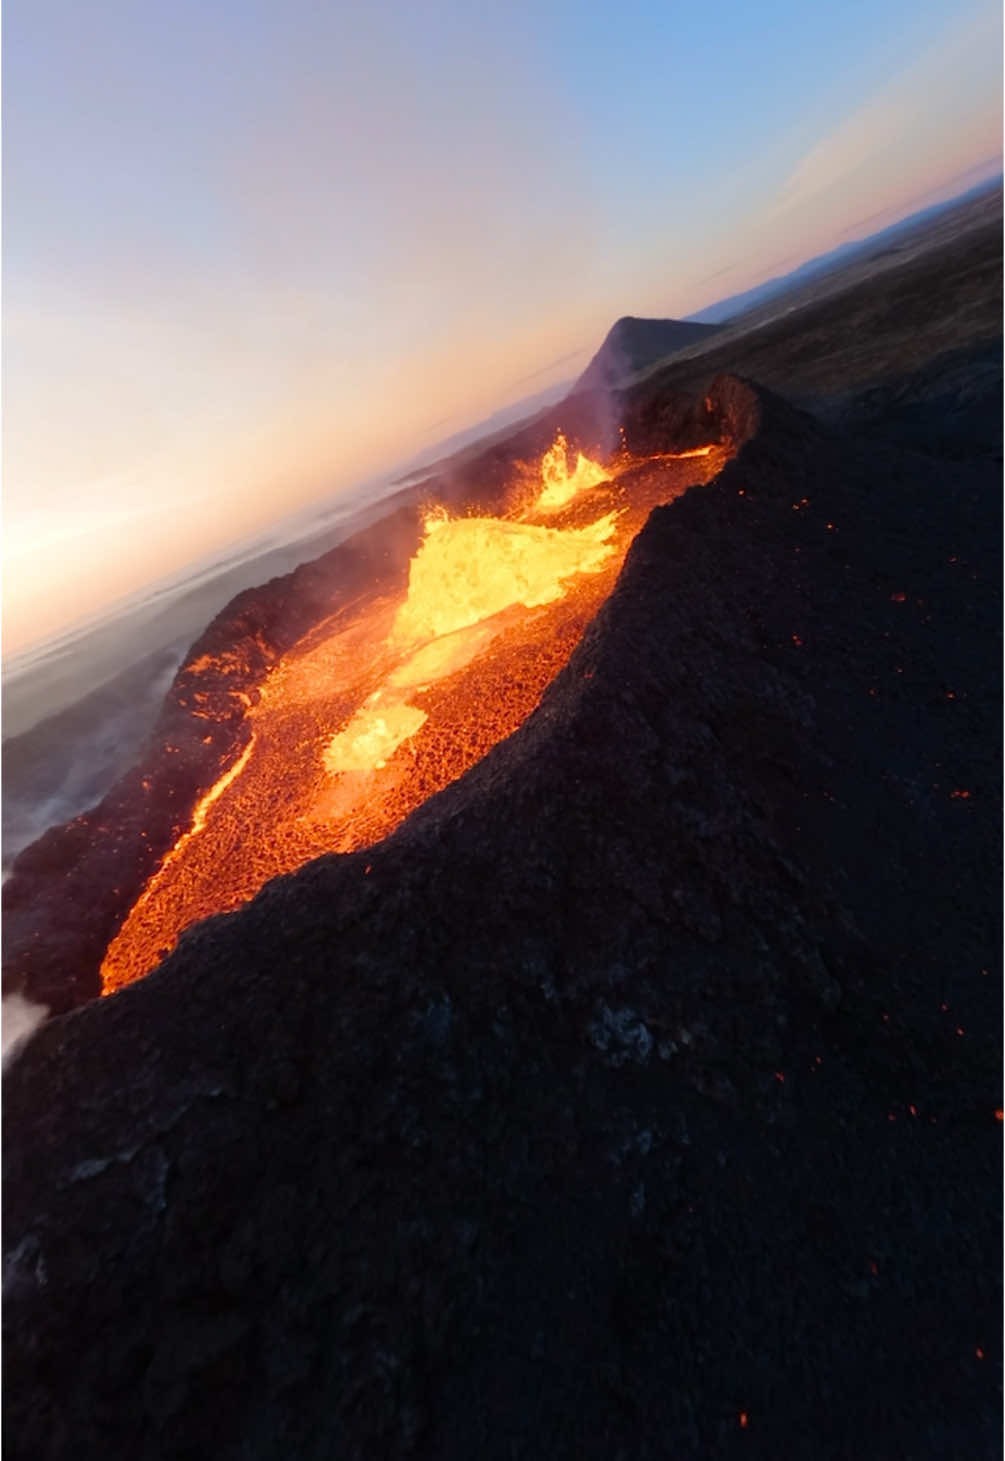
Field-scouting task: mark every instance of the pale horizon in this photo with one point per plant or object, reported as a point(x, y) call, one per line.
point(361, 235)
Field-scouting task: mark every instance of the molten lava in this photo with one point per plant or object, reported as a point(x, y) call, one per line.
point(561, 485)
point(372, 737)
point(382, 706)
point(469, 568)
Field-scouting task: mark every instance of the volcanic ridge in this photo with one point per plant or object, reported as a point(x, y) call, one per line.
point(636, 1093)
point(632, 344)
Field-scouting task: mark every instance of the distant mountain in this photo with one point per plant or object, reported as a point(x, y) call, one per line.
point(631, 344)
point(886, 239)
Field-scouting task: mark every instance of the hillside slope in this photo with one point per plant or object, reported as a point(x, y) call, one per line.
point(636, 1097)
point(632, 344)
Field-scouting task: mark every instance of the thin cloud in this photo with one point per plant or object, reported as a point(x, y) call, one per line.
point(847, 149)
point(904, 123)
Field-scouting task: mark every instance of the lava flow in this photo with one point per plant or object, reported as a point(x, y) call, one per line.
point(370, 715)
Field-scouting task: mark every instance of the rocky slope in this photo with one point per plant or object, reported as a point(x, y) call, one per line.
point(869, 329)
point(637, 1097)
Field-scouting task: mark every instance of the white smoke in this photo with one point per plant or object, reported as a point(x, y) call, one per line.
point(18, 1022)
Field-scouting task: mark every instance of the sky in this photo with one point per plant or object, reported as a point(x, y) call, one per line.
point(255, 253)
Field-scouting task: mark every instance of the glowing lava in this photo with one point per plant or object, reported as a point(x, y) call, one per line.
point(469, 568)
point(376, 711)
point(213, 795)
point(372, 737)
point(561, 485)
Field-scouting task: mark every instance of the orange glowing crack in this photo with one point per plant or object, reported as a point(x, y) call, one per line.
point(683, 456)
point(215, 793)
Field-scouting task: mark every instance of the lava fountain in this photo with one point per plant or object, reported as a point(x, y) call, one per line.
point(375, 711)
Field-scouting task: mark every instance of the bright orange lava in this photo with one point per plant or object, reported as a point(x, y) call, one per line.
point(371, 714)
point(561, 485)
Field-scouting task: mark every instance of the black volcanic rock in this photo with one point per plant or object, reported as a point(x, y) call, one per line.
point(631, 344)
point(636, 1097)
point(950, 406)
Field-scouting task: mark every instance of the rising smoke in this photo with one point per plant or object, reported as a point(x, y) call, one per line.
point(20, 1020)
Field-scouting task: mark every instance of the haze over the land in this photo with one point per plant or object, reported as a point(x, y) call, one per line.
point(255, 253)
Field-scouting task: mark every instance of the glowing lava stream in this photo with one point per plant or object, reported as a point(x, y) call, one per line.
point(359, 725)
point(199, 816)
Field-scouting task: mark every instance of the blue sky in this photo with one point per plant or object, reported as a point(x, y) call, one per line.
point(253, 253)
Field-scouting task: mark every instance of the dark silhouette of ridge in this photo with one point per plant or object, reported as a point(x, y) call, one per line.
point(632, 344)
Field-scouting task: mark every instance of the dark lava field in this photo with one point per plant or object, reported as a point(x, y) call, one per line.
point(639, 1096)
